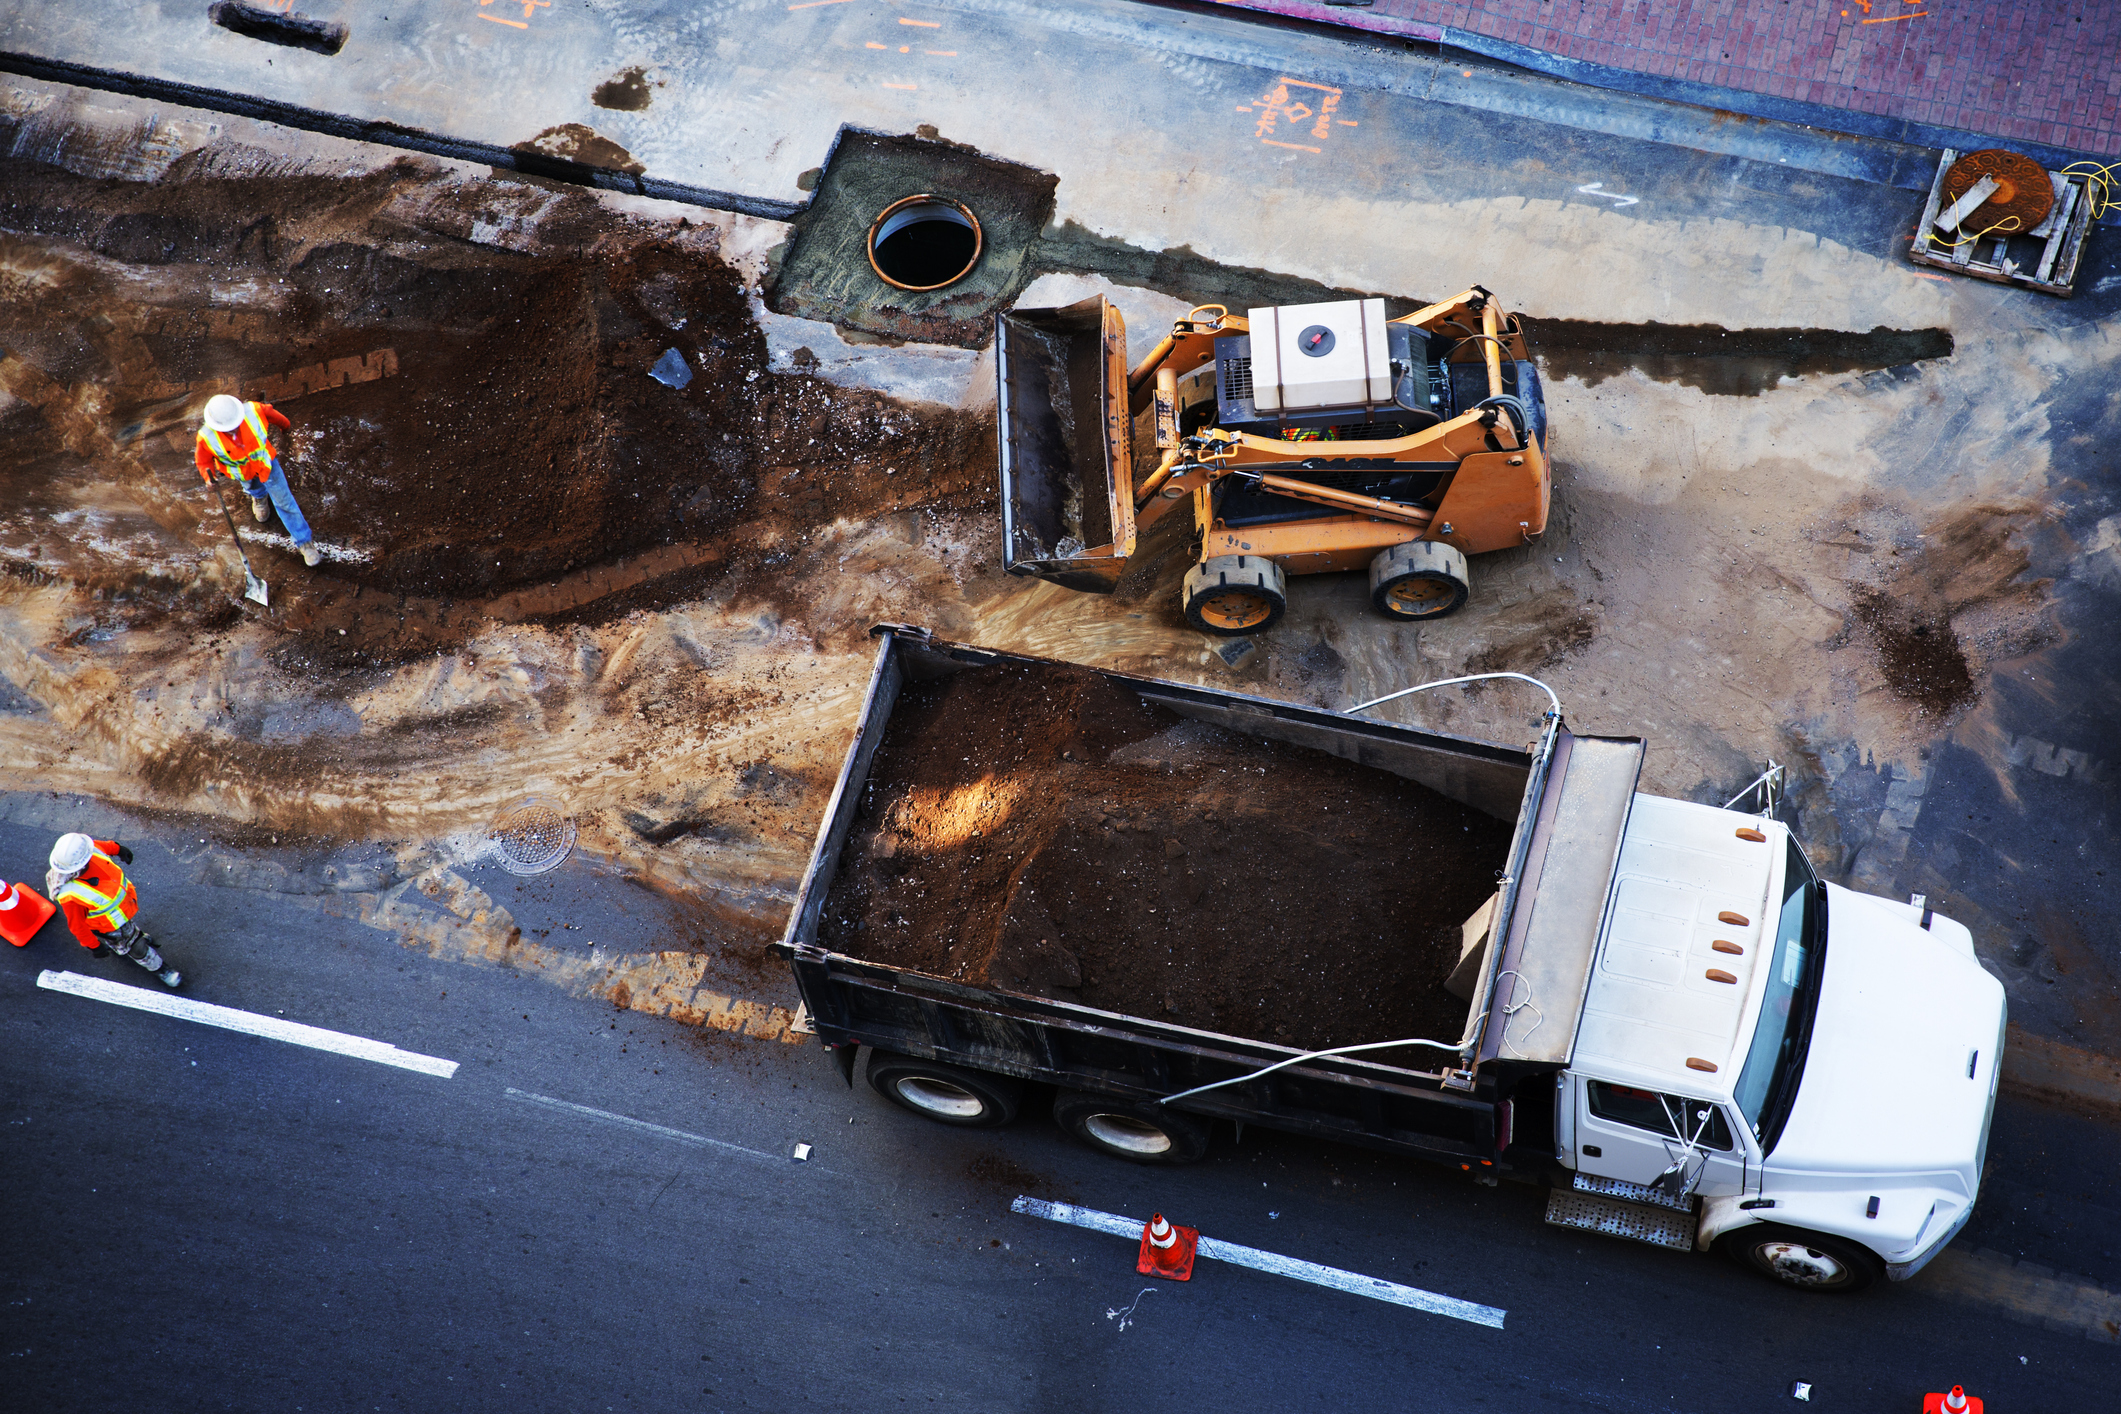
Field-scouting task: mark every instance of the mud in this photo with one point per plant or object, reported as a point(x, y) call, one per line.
point(1041, 830)
point(1729, 362)
point(627, 91)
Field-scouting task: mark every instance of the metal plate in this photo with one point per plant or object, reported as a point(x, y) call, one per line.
point(1633, 1192)
point(1614, 1218)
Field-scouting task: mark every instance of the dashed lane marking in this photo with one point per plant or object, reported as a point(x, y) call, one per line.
point(640, 1126)
point(271, 1028)
point(1273, 1263)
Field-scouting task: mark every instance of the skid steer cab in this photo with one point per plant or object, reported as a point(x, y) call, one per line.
point(1305, 439)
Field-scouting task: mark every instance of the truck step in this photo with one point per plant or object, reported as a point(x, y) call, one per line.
point(1633, 1193)
point(1616, 1217)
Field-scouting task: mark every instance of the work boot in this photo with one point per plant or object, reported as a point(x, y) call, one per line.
point(310, 555)
point(260, 509)
point(171, 978)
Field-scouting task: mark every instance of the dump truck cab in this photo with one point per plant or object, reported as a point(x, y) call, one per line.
point(1303, 439)
point(1795, 1073)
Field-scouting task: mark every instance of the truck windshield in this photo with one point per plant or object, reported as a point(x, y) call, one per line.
point(1767, 1084)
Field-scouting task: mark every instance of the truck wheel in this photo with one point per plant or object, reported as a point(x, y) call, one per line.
point(1809, 1261)
point(1422, 579)
point(1142, 1133)
point(1233, 594)
point(947, 1094)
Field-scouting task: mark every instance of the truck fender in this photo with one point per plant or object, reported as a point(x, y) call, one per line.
point(1721, 1215)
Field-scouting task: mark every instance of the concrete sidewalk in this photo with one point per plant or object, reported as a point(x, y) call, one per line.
point(1930, 72)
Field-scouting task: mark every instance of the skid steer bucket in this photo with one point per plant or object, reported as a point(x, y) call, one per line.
point(1066, 447)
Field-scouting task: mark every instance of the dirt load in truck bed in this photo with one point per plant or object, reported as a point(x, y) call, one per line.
point(1043, 830)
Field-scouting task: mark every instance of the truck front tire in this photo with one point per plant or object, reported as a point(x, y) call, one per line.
point(947, 1094)
point(1138, 1133)
point(1809, 1261)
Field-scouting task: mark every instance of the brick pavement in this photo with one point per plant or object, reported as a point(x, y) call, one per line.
point(2047, 73)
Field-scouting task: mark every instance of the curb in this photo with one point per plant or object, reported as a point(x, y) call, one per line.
point(1766, 107)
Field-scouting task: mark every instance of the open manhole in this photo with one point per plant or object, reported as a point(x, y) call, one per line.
point(924, 242)
point(533, 835)
point(929, 268)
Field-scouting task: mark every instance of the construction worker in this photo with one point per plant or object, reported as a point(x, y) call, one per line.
point(87, 880)
point(234, 438)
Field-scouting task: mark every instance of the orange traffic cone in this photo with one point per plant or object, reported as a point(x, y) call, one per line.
point(1167, 1250)
point(22, 912)
point(1957, 1402)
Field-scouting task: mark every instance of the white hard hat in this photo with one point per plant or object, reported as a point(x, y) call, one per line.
point(223, 413)
point(72, 853)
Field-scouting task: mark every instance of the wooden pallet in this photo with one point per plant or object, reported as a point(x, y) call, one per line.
point(2044, 258)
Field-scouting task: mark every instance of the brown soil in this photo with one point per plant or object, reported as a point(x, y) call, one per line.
point(1041, 830)
point(517, 441)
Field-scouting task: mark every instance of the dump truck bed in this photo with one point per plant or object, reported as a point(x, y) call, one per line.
point(1406, 1101)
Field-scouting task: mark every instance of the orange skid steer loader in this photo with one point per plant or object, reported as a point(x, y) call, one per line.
point(1307, 439)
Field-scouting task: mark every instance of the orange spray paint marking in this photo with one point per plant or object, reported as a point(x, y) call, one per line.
point(924, 24)
point(1888, 19)
point(907, 86)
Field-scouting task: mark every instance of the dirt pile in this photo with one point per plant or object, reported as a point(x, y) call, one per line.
point(1041, 830)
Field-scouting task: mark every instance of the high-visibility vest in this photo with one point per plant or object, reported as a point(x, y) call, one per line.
point(105, 892)
point(222, 445)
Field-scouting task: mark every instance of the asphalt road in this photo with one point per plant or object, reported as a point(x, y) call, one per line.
point(199, 1219)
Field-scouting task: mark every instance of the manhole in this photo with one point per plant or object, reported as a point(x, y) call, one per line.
point(534, 835)
point(924, 242)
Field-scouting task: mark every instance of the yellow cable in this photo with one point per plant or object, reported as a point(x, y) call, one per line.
point(2015, 223)
point(2099, 182)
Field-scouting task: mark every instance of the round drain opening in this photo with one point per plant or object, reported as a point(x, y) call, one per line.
point(924, 242)
point(533, 835)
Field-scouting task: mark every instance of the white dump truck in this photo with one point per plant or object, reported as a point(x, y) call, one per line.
point(1671, 1020)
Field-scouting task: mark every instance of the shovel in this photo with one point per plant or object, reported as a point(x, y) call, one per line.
point(253, 587)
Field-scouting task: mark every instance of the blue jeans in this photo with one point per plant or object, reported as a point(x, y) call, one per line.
point(283, 500)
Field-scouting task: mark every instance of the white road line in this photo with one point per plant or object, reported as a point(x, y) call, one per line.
point(272, 1028)
point(1274, 1263)
point(658, 1130)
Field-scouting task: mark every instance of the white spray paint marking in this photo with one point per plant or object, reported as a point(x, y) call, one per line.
point(271, 1028)
point(640, 1125)
point(1619, 201)
point(344, 554)
point(1273, 1263)
point(1125, 1316)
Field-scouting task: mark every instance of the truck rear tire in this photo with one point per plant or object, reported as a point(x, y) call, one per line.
point(1139, 1133)
point(1809, 1261)
point(947, 1094)
point(1234, 594)
point(1422, 579)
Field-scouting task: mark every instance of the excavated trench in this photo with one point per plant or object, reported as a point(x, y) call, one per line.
point(470, 421)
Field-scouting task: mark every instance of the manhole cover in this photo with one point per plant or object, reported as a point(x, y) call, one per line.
point(534, 835)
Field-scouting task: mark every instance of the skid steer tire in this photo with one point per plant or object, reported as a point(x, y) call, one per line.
point(1137, 1132)
point(1422, 579)
point(1235, 594)
point(947, 1094)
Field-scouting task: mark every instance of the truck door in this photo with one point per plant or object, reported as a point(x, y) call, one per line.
point(1637, 1135)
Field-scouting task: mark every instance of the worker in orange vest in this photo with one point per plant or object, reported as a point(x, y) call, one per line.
point(234, 439)
point(87, 880)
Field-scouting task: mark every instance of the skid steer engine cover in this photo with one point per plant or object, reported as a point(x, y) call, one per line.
point(1320, 355)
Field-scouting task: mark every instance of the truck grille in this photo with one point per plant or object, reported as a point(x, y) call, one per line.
point(1236, 375)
